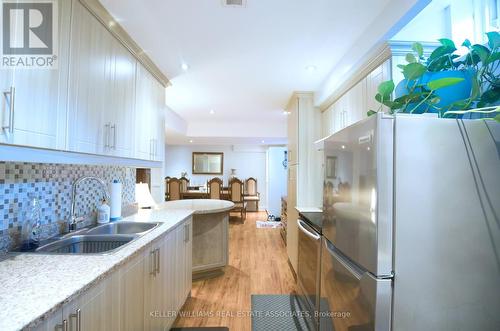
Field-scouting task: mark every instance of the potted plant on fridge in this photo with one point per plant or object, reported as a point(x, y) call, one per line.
point(446, 83)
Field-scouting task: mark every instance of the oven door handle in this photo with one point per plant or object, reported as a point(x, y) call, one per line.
point(303, 227)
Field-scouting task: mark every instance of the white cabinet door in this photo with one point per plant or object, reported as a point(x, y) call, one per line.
point(89, 83)
point(159, 138)
point(146, 112)
point(121, 99)
point(50, 324)
point(6, 115)
point(373, 80)
point(35, 111)
point(180, 264)
point(91, 311)
point(131, 282)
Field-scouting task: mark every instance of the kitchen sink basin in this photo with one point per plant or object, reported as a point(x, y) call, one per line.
point(86, 244)
point(119, 228)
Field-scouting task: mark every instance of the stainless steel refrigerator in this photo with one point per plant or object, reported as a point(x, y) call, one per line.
point(411, 221)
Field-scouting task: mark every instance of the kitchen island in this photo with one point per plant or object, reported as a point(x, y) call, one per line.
point(210, 234)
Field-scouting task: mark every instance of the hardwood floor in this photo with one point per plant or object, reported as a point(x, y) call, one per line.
point(258, 264)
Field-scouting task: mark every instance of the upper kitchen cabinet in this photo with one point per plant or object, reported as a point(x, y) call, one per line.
point(101, 89)
point(33, 111)
point(149, 116)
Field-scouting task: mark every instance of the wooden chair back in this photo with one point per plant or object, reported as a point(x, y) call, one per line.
point(184, 184)
point(174, 189)
point(215, 188)
point(236, 190)
point(166, 187)
point(251, 186)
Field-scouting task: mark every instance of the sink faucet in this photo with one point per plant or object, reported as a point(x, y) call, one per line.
point(74, 220)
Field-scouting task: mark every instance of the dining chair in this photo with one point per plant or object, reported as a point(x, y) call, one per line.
point(166, 187)
point(215, 188)
point(236, 196)
point(251, 193)
point(184, 184)
point(174, 189)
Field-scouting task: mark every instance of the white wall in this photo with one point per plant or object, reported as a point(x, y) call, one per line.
point(454, 19)
point(249, 161)
point(277, 179)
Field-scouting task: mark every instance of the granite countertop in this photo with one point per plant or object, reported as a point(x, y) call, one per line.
point(200, 206)
point(35, 285)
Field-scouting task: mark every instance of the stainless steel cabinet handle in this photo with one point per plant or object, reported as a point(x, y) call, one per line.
point(78, 316)
point(158, 260)
point(106, 135)
point(302, 227)
point(63, 326)
point(113, 127)
point(152, 258)
point(186, 232)
point(12, 104)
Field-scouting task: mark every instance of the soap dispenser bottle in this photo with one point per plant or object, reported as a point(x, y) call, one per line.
point(103, 213)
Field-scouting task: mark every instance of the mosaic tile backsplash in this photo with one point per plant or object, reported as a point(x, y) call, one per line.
point(51, 184)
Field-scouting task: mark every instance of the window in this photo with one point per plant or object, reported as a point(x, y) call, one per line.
point(492, 13)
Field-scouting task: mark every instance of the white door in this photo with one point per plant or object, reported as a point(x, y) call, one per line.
point(146, 101)
point(91, 310)
point(36, 109)
point(6, 115)
point(88, 84)
point(51, 322)
point(373, 80)
point(121, 100)
point(131, 281)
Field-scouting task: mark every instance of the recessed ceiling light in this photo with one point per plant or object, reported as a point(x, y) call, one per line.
point(184, 66)
point(343, 146)
point(191, 141)
point(285, 112)
point(311, 68)
point(212, 111)
point(263, 141)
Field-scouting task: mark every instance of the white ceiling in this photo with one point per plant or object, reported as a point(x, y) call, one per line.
point(244, 63)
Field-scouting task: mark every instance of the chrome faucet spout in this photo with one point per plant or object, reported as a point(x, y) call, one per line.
point(74, 220)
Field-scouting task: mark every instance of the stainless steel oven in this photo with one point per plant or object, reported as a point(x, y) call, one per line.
point(308, 270)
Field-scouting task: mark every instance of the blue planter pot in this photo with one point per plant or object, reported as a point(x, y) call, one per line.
point(447, 95)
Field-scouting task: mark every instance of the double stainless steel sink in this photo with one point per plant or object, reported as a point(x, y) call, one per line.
point(101, 239)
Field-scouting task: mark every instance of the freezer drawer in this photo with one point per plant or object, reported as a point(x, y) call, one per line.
point(351, 298)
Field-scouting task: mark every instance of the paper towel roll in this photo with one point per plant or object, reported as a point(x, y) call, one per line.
point(116, 200)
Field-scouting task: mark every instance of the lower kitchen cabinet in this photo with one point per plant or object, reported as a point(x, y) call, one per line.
point(145, 293)
point(169, 275)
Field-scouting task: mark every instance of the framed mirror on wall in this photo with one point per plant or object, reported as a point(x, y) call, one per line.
point(205, 163)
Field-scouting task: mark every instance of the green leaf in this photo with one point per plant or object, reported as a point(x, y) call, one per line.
point(371, 113)
point(497, 118)
point(418, 48)
point(410, 58)
point(491, 96)
point(386, 88)
point(493, 39)
point(492, 58)
point(443, 82)
point(414, 71)
point(482, 51)
point(441, 51)
point(447, 42)
point(467, 43)
point(401, 66)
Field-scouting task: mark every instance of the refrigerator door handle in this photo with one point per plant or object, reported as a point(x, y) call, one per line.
point(356, 272)
point(302, 227)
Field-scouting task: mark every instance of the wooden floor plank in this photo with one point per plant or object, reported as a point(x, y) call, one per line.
point(258, 264)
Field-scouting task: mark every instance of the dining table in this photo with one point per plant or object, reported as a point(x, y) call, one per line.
point(200, 194)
